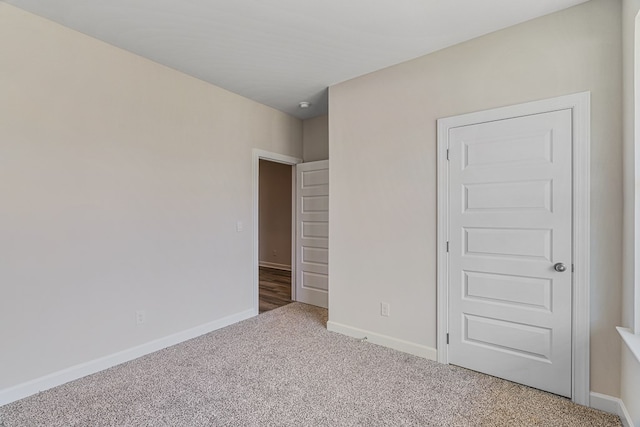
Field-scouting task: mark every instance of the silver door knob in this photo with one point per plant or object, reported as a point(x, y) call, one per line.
point(560, 267)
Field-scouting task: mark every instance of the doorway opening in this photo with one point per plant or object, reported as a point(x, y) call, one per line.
point(275, 228)
point(275, 234)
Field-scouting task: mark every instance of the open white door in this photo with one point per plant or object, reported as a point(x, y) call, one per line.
point(312, 233)
point(510, 249)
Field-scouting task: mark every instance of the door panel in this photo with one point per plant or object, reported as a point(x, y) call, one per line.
point(508, 337)
point(507, 289)
point(312, 233)
point(509, 196)
point(510, 222)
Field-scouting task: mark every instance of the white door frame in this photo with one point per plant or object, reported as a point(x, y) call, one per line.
point(287, 160)
point(579, 103)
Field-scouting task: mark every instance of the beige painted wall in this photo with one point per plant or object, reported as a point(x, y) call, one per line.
point(122, 181)
point(315, 139)
point(630, 367)
point(382, 139)
point(275, 213)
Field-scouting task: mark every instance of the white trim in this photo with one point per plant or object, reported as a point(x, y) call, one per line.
point(384, 340)
point(580, 105)
point(631, 340)
point(294, 226)
point(442, 259)
point(46, 382)
point(278, 158)
point(612, 405)
point(274, 265)
point(636, 172)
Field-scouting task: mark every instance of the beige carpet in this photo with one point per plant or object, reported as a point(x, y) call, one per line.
point(283, 368)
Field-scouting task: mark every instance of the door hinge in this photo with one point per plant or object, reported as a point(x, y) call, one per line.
point(447, 337)
point(447, 246)
point(447, 154)
point(573, 268)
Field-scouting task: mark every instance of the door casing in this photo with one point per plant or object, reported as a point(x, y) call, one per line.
point(579, 104)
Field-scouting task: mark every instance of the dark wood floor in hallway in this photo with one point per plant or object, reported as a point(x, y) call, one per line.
point(275, 288)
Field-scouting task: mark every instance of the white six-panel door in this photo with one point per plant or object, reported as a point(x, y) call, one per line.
point(312, 233)
point(510, 228)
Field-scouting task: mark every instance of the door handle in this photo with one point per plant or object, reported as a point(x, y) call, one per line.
point(560, 267)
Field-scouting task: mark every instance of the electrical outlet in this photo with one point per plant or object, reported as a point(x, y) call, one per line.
point(275, 253)
point(385, 309)
point(141, 317)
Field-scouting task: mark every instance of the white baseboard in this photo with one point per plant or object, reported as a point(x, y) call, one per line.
point(274, 265)
point(46, 382)
point(384, 340)
point(612, 405)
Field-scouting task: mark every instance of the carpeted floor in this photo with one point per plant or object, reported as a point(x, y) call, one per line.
point(283, 368)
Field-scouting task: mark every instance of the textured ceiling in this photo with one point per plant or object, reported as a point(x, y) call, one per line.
point(282, 52)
